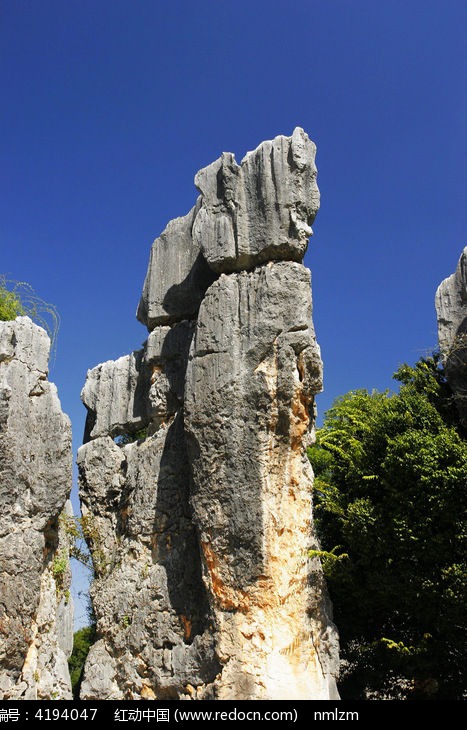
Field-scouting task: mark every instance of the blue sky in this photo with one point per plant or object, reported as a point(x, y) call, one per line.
point(109, 108)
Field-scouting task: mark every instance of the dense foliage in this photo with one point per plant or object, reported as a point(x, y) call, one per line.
point(10, 302)
point(390, 498)
point(82, 642)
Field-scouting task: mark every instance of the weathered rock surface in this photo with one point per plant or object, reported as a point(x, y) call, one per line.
point(451, 309)
point(177, 275)
point(195, 485)
point(254, 369)
point(36, 626)
point(149, 599)
point(116, 396)
point(260, 210)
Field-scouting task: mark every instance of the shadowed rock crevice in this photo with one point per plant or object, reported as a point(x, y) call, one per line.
point(179, 298)
point(174, 548)
point(177, 276)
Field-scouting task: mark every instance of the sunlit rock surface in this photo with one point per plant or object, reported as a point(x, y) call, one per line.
point(36, 611)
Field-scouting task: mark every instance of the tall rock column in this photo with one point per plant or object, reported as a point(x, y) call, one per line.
point(36, 612)
point(195, 485)
point(253, 371)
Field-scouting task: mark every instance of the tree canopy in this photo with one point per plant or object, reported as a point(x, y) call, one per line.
point(391, 473)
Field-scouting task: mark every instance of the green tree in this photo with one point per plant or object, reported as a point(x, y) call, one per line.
point(391, 473)
point(82, 642)
point(428, 378)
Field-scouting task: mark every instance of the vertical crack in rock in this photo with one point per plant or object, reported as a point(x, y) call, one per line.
point(36, 611)
point(451, 309)
point(195, 485)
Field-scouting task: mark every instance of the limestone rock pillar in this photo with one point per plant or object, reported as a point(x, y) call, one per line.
point(253, 371)
point(195, 484)
point(36, 611)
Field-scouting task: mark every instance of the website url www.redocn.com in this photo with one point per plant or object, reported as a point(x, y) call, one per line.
point(245, 715)
point(256, 716)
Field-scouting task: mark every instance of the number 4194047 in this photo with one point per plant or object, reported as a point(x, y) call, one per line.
point(72, 714)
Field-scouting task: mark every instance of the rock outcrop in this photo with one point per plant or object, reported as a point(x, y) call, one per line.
point(177, 276)
point(260, 210)
point(451, 309)
point(195, 485)
point(36, 612)
point(150, 603)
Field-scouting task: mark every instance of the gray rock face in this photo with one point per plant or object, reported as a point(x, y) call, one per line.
point(451, 309)
point(177, 275)
point(148, 597)
point(201, 529)
point(254, 369)
point(116, 395)
point(243, 375)
point(260, 210)
point(35, 481)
